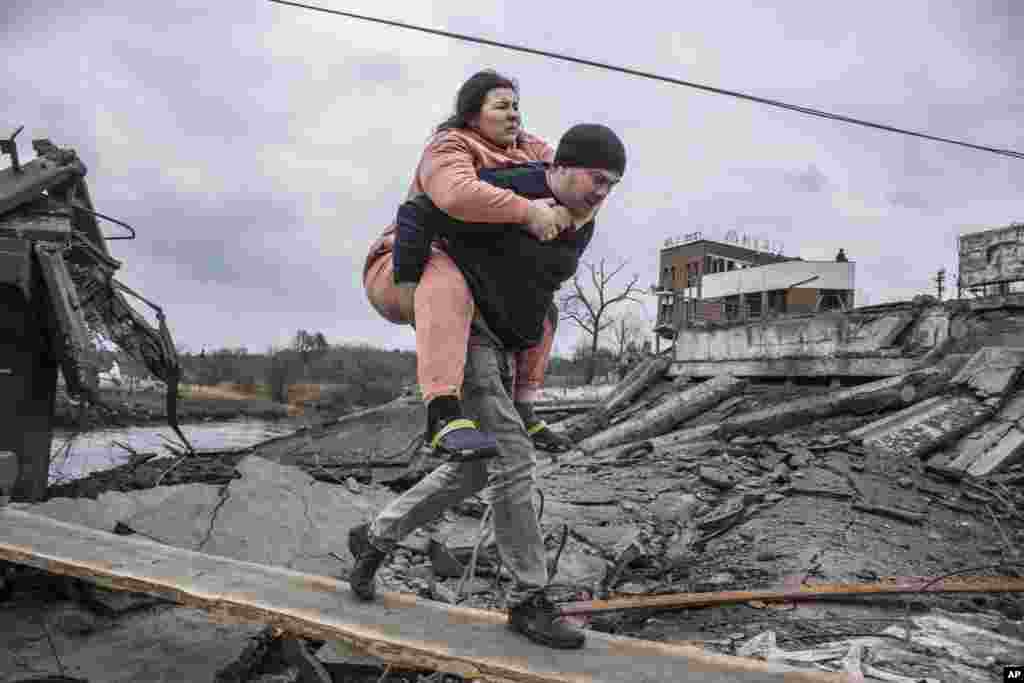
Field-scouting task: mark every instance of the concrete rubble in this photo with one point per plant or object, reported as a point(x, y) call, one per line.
point(769, 485)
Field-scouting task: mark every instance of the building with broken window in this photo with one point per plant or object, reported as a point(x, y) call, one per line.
point(991, 262)
point(704, 281)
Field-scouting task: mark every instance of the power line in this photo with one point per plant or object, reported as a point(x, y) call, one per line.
point(1013, 154)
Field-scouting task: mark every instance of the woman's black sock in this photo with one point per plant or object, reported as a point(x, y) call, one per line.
point(442, 409)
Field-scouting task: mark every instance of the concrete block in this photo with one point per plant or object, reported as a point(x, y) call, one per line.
point(989, 435)
point(923, 427)
point(992, 371)
point(843, 366)
point(172, 644)
point(182, 520)
point(1009, 451)
point(815, 336)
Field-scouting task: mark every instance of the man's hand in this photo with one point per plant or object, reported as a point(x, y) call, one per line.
point(545, 220)
point(581, 217)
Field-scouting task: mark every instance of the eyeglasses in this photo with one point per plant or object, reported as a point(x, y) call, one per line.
point(604, 178)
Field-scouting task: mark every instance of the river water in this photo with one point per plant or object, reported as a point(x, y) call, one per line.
point(95, 450)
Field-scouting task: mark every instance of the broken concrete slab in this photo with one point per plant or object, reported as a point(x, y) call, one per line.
point(994, 445)
point(882, 394)
point(817, 481)
point(105, 511)
point(579, 568)
point(182, 519)
point(87, 512)
point(667, 414)
point(116, 603)
point(825, 335)
point(992, 371)
point(296, 653)
point(717, 477)
point(632, 385)
point(923, 427)
point(677, 507)
point(934, 650)
point(274, 514)
point(969, 650)
point(930, 331)
point(853, 367)
point(378, 434)
point(279, 515)
point(166, 644)
point(458, 532)
point(977, 442)
point(691, 441)
point(1009, 451)
point(603, 538)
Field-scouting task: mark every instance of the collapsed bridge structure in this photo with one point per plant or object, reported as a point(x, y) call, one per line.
point(57, 295)
point(691, 488)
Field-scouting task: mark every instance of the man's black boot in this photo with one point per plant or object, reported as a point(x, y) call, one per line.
point(537, 429)
point(368, 560)
point(538, 619)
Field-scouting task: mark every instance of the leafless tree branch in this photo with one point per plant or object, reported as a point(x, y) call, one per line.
point(590, 310)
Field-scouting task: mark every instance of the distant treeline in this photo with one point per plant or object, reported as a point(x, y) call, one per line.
point(357, 374)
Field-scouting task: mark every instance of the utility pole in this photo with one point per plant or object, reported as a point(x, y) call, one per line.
point(940, 282)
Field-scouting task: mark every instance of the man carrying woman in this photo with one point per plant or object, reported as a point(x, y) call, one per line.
point(502, 255)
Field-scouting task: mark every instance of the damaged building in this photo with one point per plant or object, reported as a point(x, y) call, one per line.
point(707, 282)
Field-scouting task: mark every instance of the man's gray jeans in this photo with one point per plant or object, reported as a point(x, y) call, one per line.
point(486, 398)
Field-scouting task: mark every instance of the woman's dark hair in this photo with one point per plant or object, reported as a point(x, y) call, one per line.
point(470, 98)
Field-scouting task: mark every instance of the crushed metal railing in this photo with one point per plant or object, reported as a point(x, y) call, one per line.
point(85, 300)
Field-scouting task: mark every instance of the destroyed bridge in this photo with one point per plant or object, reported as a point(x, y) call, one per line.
point(832, 497)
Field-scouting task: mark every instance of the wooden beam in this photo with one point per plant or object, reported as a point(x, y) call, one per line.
point(806, 593)
point(401, 629)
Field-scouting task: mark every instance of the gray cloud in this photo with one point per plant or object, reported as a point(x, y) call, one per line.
point(811, 180)
point(908, 200)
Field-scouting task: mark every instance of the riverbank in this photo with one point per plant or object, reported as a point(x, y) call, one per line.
point(195, 403)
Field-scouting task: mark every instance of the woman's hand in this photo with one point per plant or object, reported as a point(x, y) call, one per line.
point(545, 221)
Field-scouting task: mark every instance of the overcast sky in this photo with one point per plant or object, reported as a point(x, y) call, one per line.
point(259, 149)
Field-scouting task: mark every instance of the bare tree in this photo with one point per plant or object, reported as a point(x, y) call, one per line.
point(626, 333)
point(589, 311)
point(277, 375)
point(309, 345)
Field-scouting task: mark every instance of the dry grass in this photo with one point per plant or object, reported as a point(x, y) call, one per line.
point(224, 391)
point(300, 393)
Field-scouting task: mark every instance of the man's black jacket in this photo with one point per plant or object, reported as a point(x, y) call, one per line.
point(513, 276)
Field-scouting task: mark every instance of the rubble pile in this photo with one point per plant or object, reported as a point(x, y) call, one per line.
point(676, 488)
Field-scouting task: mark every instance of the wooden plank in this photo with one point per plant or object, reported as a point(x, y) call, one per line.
point(401, 629)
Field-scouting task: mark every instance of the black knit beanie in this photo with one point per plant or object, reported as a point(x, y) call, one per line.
point(593, 146)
